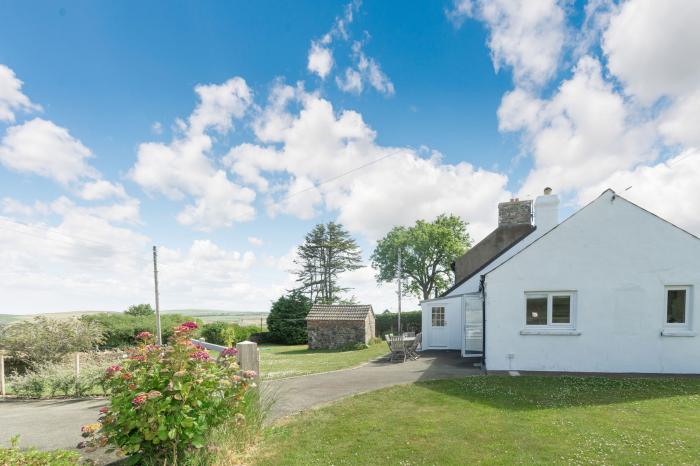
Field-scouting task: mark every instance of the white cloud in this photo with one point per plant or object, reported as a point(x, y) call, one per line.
point(320, 60)
point(526, 36)
point(157, 128)
point(584, 132)
point(41, 147)
point(367, 70)
point(255, 241)
point(318, 145)
point(102, 189)
point(184, 167)
point(653, 47)
point(351, 82)
point(11, 97)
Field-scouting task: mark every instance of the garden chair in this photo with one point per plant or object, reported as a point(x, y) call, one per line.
point(397, 345)
point(409, 334)
point(413, 349)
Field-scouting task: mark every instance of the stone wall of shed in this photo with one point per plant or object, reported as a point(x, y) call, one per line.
point(369, 327)
point(336, 334)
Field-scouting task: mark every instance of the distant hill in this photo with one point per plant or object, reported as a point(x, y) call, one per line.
point(206, 315)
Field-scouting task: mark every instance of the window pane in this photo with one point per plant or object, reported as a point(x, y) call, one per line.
point(536, 311)
point(438, 317)
point(561, 309)
point(675, 307)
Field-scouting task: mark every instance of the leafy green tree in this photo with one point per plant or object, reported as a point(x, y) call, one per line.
point(427, 250)
point(140, 310)
point(44, 340)
point(286, 321)
point(328, 250)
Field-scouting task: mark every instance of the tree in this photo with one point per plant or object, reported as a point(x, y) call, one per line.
point(287, 319)
point(328, 250)
point(48, 340)
point(140, 310)
point(427, 251)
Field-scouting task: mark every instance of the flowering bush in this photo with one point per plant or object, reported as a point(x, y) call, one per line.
point(166, 400)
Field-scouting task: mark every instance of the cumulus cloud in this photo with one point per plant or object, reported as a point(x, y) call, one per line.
point(41, 147)
point(102, 189)
point(185, 168)
point(526, 36)
point(12, 99)
point(395, 185)
point(320, 60)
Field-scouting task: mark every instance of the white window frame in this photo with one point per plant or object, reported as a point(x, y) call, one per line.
point(550, 300)
point(444, 316)
point(687, 325)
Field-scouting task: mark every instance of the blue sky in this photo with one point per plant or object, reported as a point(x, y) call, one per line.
point(480, 102)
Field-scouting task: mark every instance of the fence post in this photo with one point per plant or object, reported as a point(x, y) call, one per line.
point(248, 358)
point(2, 374)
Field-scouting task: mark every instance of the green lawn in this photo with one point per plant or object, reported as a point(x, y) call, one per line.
point(278, 361)
point(500, 420)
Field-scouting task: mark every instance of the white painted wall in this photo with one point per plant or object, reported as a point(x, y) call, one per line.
point(453, 327)
point(618, 258)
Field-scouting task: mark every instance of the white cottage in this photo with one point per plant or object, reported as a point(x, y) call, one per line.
point(610, 289)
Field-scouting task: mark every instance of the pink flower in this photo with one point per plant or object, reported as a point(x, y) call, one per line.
point(137, 357)
point(104, 410)
point(200, 355)
point(154, 394)
point(112, 369)
point(144, 335)
point(229, 352)
point(249, 374)
point(126, 376)
point(150, 348)
point(190, 325)
point(139, 400)
point(199, 346)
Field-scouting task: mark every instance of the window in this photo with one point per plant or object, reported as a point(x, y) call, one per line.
point(678, 306)
point(554, 309)
point(438, 315)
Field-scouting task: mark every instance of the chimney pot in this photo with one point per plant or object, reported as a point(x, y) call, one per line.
point(547, 191)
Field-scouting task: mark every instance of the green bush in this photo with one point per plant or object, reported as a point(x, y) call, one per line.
point(166, 401)
point(33, 457)
point(227, 334)
point(120, 329)
point(387, 323)
point(43, 340)
point(286, 322)
point(140, 310)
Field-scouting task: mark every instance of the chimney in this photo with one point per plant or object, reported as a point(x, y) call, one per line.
point(546, 211)
point(515, 212)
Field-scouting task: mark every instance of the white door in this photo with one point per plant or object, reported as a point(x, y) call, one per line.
point(439, 336)
point(473, 326)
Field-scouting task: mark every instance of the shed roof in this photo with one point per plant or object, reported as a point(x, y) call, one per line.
point(339, 312)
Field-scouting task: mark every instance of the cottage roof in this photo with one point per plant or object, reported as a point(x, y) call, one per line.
point(339, 312)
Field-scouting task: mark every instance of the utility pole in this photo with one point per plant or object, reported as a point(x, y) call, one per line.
point(399, 280)
point(159, 339)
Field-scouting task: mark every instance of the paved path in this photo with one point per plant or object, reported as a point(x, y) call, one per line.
point(50, 424)
point(296, 394)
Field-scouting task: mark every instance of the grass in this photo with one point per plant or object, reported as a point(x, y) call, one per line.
point(499, 420)
point(279, 361)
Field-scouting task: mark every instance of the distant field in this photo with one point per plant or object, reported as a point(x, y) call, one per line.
point(206, 315)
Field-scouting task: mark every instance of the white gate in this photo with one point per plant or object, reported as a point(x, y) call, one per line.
point(472, 306)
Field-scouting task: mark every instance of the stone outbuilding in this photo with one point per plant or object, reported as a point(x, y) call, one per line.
point(339, 326)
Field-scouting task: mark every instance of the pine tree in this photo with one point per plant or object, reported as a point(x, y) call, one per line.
point(328, 250)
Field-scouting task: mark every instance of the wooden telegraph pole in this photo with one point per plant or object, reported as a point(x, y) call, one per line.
point(155, 276)
point(399, 274)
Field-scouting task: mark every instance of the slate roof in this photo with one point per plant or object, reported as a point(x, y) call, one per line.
point(488, 250)
point(339, 312)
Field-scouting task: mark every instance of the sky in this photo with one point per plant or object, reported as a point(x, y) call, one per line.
point(222, 132)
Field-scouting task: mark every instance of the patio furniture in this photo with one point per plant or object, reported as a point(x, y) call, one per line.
point(409, 334)
point(412, 349)
point(397, 345)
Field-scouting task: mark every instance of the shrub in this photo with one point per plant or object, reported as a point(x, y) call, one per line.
point(33, 457)
point(120, 329)
point(227, 334)
point(140, 310)
point(42, 340)
point(165, 401)
point(59, 379)
point(286, 322)
point(387, 322)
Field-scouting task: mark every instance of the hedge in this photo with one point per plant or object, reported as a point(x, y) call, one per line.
point(219, 332)
point(387, 323)
point(120, 329)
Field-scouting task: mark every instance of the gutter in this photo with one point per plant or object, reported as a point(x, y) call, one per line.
point(482, 288)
